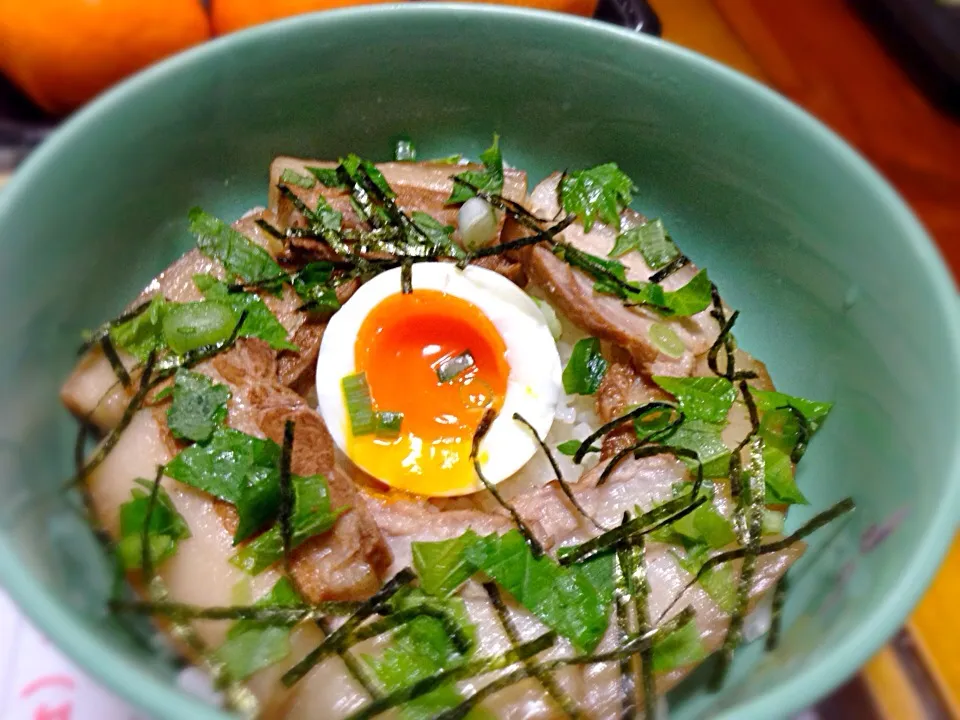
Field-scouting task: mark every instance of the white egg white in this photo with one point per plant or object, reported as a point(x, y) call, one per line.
point(534, 384)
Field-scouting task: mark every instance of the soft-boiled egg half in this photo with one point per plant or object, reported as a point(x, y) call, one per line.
point(461, 342)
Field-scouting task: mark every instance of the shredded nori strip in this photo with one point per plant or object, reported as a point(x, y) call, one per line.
point(751, 405)
point(541, 236)
point(514, 209)
point(265, 614)
point(631, 648)
point(80, 445)
point(333, 642)
point(286, 494)
point(110, 441)
point(722, 341)
point(148, 382)
point(332, 238)
point(238, 696)
point(146, 557)
point(645, 449)
point(749, 513)
point(406, 277)
point(110, 352)
point(104, 329)
point(478, 666)
point(669, 269)
point(269, 229)
point(167, 365)
point(451, 626)
point(622, 597)
point(803, 432)
point(818, 521)
point(649, 522)
point(577, 258)
point(488, 417)
point(637, 412)
point(563, 701)
point(776, 613)
point(556, 471)
point(356, 669)
point(635, 558)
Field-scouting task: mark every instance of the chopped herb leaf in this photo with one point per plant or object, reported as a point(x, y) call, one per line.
point(167, 527)
point(405, 150)
point(680, 648)
point(719, 582)
point(585, 368)
point(419, 649)
point(314, 286)
point(781, 486)
point(700, 398)
point(325, 219)
point(570, 447)
point(352, 163)
point(199, 406)
point(192, 325)
point(292, 177)
point(653, 424)
point(600, 192)
point(488, 180)
point(251, 646)
point(705, 525)
point(441, 565)
point(238, 468)
point(437, 234)
point(814, 412)
point(610, 278)
point(653, 242)
point(690, 299)
point(356, 394)
point(239, 255)
point(312, 515)
point(451, 367)
point(704, 439)
point(326, 176)
point(566, 598)
point(260, 322)
point(143, 333)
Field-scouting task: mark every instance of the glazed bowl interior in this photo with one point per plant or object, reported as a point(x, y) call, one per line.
point(841, 291)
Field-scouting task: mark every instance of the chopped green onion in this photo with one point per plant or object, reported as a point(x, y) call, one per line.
point(477, 222)
point(356, 394)
point(388, 424)
point(193, 325)
point(570, 447)
point(772, 523)
point(292, 177)
point(449, 368)
point(666, 340)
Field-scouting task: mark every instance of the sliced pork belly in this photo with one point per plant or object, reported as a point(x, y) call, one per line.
point(604, 316)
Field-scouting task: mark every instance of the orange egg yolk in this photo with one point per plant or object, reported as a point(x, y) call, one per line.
point(401, 345)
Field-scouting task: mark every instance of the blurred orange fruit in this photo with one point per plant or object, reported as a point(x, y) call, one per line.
point(229, 15)
point(63, 52)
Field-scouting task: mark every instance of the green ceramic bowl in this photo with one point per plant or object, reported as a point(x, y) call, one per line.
point(841, 290)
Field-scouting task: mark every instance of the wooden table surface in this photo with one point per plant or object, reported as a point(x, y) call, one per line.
point(820, 54)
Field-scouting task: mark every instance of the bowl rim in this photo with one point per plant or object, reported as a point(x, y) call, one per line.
point(146, 690)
